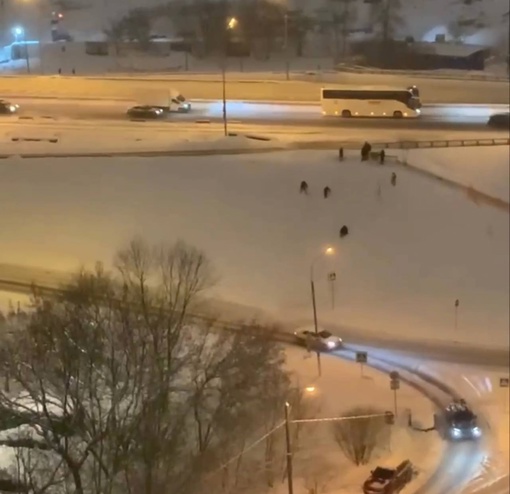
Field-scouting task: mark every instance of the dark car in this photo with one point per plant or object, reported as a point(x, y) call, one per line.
point(146, 112)
point(7, 108)
point(499, 121)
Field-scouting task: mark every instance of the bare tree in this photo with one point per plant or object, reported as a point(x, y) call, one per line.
point(299, 26)
point(115, 34)
point(124, 389)
point(337, 18)
point(262, 23)
point(386, 17)
point(135, 26)
point(360, 436)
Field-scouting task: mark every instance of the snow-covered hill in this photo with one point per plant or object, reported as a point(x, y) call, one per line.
point(413, 248)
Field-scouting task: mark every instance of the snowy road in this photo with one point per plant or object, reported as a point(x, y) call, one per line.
point(467, 117)
point(469, 466)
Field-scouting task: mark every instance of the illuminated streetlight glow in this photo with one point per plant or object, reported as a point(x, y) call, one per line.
point(232, 23)
point(310, 389)
point(329, 251)
point(17, 31)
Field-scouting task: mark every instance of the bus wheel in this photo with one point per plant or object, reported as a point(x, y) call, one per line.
point(397, 114)
point(346, 114)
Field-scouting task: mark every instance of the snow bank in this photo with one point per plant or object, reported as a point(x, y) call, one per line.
point(69, 138)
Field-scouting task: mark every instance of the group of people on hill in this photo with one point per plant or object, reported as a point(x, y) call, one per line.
point(365, 155)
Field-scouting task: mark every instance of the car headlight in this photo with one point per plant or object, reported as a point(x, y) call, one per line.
point(456, 432)
point(477, 432)
point(330, 344)
point(418, 111)
point(12, 108)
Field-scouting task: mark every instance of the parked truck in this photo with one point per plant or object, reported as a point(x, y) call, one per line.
point(389, 480)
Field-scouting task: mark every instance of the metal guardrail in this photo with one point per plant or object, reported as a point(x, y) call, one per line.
point(426, 144)
point(443, 143)
point(275, 332)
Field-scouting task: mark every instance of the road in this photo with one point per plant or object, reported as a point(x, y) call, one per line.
point(434, 117)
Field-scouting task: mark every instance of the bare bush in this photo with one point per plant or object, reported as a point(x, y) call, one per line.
point(360, 437)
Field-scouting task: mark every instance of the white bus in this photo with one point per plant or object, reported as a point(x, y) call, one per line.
point(371, 102)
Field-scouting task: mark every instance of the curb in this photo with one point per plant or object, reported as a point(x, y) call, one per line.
point(150, 154)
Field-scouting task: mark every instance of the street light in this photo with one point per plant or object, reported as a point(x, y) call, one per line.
point(326, 252)
point(18, 32)
point(19, 35)
point(231, 24)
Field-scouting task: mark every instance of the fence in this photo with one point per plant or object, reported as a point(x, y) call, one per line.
point(433, 144)
point(443, 143)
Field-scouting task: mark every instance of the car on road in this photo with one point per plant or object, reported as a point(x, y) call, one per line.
point(146, 112)
point(322, 340)
point(499, 121)
point(8, 108)
point(457, 422)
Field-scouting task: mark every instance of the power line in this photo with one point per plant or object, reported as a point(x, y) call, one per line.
point(340, 419)
point(250, 447)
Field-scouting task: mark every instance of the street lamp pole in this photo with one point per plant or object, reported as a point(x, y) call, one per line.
point(288, 448)
point(231, 24)
point(328, 251)
point(315, 324)
point(286, 44)
point(224, 91)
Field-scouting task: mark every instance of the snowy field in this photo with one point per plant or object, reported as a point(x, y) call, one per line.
point(413, 249)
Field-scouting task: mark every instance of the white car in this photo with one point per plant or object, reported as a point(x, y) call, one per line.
point(323, 340)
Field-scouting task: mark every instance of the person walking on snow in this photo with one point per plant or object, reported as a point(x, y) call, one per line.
point(393, 179)
point(303, 188)
point(365, 151)
point(327, 192)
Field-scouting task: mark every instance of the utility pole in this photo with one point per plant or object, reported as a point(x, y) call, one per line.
point(224, 92)
point(288, 449)
point(286, 44)
point(315, 324)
